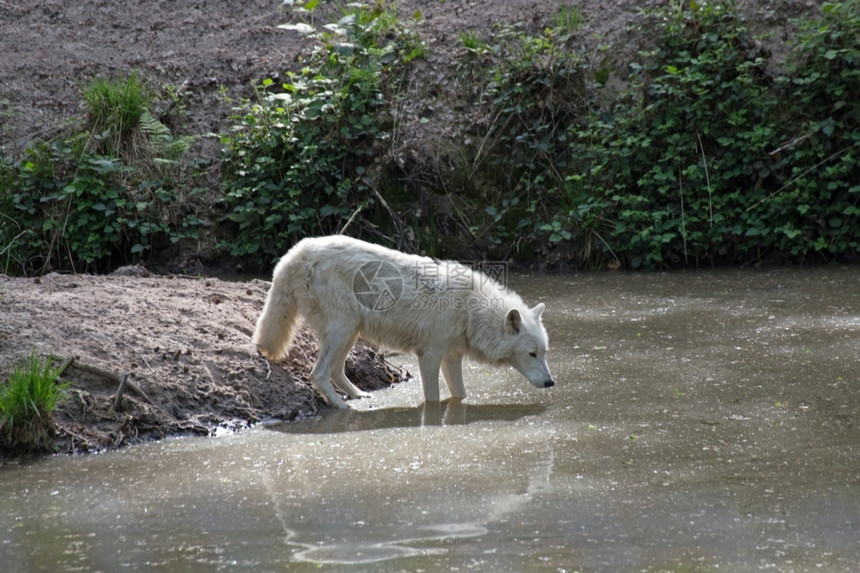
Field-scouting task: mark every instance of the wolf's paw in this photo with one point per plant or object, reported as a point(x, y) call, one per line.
point(361, 394)
point(337, 402)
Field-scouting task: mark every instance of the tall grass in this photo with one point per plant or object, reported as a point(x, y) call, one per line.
point(26, 404)
point(116, 107)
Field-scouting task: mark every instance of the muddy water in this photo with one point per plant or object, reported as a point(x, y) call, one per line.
point(702, 421)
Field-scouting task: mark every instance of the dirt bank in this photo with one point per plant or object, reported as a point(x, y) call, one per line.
point(214, 49)
point(185, 343)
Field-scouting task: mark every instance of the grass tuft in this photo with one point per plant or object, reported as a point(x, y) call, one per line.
point(116, 107)
point(26, 404)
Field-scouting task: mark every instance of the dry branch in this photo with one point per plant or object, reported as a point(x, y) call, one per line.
point(122, 380)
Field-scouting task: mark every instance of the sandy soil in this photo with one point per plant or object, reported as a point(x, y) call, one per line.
point(184, 343)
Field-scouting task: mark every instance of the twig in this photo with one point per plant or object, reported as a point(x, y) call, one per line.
point(602, 240)
point(9, 246)
point(394, 217)
point(790, 143)
point(133, 349)
point(117, 399)
point(476, 163)
point(400, 112)
point(94, 370)
point(87, 442)
point(683, 219)
point(112, 376)
point(708, 181)
point(816, 166)
point(354, 214)
point(137, 390)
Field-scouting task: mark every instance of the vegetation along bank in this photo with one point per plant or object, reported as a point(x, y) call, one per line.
point(701, 139)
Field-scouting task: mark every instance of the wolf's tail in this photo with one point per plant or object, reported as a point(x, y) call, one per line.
point(280, 318)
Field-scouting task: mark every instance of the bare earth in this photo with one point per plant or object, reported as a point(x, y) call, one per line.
point(185, 342)
point(48, 49)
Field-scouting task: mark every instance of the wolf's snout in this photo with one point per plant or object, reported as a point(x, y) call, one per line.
point(548, 384)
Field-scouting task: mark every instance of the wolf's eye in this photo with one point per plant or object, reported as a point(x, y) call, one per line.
point(533, 354)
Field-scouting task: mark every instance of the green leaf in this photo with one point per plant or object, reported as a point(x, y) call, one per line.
point(238, 217)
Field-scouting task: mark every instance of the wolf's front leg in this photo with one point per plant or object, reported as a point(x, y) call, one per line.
point(429, 365)
point(325, 388)
point(452, 369)
point(342, 382)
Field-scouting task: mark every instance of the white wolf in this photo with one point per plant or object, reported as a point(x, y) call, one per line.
point(440, 311)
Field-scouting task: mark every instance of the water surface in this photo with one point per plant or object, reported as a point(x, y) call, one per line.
point(701, 421)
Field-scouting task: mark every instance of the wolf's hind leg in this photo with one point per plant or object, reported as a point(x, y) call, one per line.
point(331, 347)
point(452, 369)
point(338, 374)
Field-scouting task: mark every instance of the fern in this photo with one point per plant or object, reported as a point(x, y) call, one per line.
point(167, 149)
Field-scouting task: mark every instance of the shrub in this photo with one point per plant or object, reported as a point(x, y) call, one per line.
point(297, 162)
point(534, 87)
point(102, 194)
point(703, 156)
point(115, 108)
point(707, 158)
point(26, 404)
point(821, 142)
point(674, 165)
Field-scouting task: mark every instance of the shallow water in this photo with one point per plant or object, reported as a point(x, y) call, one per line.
point(700, 421)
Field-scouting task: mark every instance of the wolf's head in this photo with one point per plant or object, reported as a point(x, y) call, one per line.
point(528, 354)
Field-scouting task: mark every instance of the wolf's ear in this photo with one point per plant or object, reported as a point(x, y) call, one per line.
point(513, 322)
point(538, 310)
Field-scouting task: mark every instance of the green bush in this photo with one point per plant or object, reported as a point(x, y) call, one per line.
point(534, 87)
point(298, 161)
point(673, 167)
point(115, 108)
point(99, 196)
point(26, 404)
point(703, 151)
point(705, 157)
point(821, 194)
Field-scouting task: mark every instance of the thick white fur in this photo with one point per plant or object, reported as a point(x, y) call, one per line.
point(445, 311)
